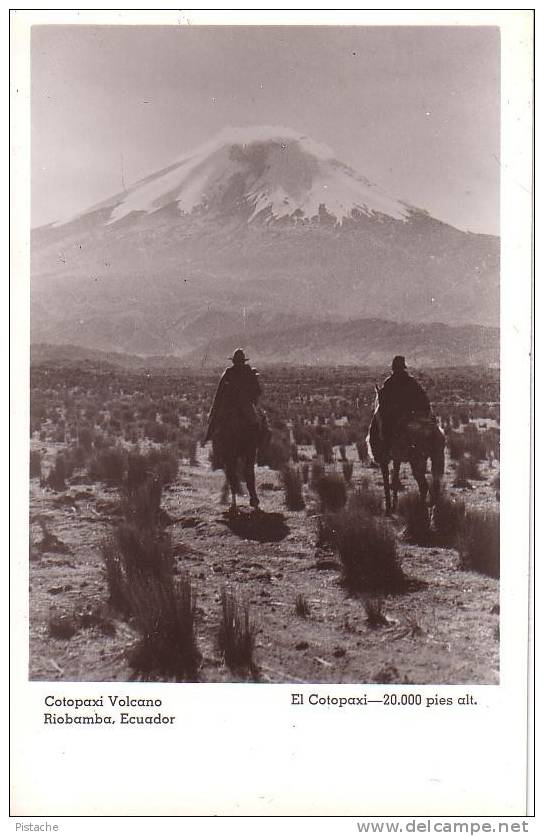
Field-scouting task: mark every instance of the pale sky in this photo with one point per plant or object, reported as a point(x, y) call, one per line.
point(415, 109)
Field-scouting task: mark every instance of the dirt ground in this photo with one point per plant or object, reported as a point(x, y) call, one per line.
point(446, 632)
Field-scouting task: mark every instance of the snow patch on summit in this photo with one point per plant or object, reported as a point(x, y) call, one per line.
point(272, 170)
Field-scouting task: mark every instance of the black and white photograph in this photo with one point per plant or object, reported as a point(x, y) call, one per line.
point(265, 276)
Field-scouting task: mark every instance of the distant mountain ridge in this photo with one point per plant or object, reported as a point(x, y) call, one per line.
point(365, 342)
point(259, 231)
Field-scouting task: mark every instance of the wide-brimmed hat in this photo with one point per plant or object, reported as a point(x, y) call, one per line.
point(239, 356)
point(399, 362)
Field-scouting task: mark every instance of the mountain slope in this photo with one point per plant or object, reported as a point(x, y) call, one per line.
point(258, 223)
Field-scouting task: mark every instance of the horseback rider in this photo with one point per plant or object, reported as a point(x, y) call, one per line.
point(238, 388)
point(401, 398)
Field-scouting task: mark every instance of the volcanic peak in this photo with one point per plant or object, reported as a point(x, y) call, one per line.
point(274, 172)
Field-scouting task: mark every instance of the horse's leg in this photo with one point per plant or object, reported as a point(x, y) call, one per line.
point(437, 469)
point(396, 482)
point(249, 476)
point(232, 478)
point(418, 470)
point(437, 472)
point(386, 489)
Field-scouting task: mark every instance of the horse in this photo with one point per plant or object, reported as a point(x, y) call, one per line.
point(418, 439)
point(236, 439)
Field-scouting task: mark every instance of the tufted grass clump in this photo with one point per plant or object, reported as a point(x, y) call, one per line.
point(347, 471)
point(141, 505)
point(164, 611)
point(237, 635)
point(331, 490)
point(479, 542)
point(367, 548)
point(144, 552)
point(108, 464)
point(292, 485)
point(302, 607)
point(365, 498)
point(60, 472)
point(35, 464)
point(467, 468)
point(362, 451)
point(416, 517)
point(447, 520)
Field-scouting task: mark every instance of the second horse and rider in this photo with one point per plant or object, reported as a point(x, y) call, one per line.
point(402, 428)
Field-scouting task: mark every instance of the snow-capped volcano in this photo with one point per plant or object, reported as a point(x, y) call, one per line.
point(259, 228)
point(273, 171)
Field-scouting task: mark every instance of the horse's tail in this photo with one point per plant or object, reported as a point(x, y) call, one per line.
point(374, 440)
point(437, 463)
point(438, 453)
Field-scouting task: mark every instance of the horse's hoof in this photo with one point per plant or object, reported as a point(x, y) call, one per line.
point(254, 504)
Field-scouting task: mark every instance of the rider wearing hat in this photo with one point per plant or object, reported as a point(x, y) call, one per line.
point(401, 398)
point(238, 387)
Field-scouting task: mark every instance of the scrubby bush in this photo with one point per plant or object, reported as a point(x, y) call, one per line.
point(368, 551)
point(479, 542)
point(35, 464)
point(493, 444)
point(142, 504)
point(476, 445)
point(467, 468)
point(496, 485)
point(156, 432)
point(79, 455)
point(302, 607)
point(138, 471)
point(469, 442)
point(108, 465)
point(327, 452)
point(362, 451)
point(276, 454)
point(163, 463)
point(133, 554)
point(347, 471)
point(331, 490)
point(365, 498)
point(145, 552)
point(323, 446)
point(292, 484)
point(317, 473)
point(59, 473)
point(456, 445)
point(447, 520)
point(101, 441)
point(237, 635)
point(62, 625)
point(416, 517)
point(86, 438)
point(115, 576)
point(187, 445)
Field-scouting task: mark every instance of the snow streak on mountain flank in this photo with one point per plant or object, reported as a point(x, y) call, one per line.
point(269, 169)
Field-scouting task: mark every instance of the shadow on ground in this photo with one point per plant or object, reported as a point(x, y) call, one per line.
point(257, 525)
